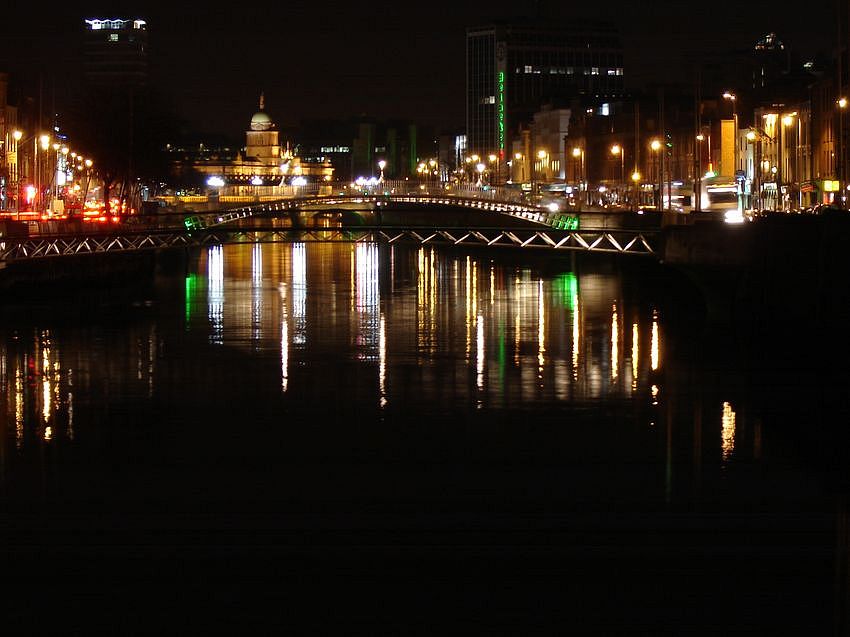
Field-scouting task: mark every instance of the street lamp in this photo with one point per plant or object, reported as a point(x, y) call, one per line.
point(480, 168)
point(697, 203)
point(616, 149)
point(381, 164)
point(842, 106)
point(788, 120)
point(42, 140)
point(578, 154)
point(636, 181)
point(734, 99)
point(544, 167)
point(494, 159)
point(655, 146)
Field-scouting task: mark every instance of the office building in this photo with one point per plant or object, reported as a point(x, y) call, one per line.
point(513, 69)
point(115, 53)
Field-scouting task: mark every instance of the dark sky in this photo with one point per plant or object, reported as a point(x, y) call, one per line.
point(319, 59)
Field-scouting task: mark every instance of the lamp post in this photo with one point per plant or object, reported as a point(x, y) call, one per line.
point(616, 150)
point(636, 182)
point(734, 99)
point(494, 159)
point(578, 154)
point(655, 146)
point(697, 205)
point(842, 106)
point(480, 168)
point(788, 120)
point(541, 157)
point(16, 135)
point(519, 157)
point(381, 165)
point(39, 140)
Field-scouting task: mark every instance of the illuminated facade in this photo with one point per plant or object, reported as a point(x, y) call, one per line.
point(263, 165)
point(512, 70)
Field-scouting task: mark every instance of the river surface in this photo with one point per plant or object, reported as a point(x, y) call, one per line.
point(359, 438)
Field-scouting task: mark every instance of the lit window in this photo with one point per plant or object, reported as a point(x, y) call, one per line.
point(113, 37)
point(528, 69)
point(594, 70)
point(570, 70)
point(612, 71)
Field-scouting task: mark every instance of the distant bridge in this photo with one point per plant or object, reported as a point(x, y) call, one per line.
point(318, 198)
point(393, 212)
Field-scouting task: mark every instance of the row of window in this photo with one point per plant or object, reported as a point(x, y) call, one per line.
point(568, 70)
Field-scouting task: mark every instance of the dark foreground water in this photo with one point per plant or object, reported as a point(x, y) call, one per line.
point(357, 439)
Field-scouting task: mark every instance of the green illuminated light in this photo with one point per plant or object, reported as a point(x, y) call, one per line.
point(501, 110)
point(566, 288)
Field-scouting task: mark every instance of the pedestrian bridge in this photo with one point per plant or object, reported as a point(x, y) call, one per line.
point(304, 202)
point(393, 212)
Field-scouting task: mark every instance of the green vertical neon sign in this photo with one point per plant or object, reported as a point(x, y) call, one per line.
point(502, 112)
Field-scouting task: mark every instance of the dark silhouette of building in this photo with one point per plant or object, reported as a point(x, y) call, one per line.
point(512, 69)
point(115, 52)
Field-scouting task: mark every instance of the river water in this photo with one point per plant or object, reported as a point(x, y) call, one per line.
point(364, 438)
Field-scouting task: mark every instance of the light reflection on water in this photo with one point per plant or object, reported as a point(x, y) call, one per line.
point(557, 381)
point(517, 337)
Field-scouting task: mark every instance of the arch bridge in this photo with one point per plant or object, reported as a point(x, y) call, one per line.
point(392, 212)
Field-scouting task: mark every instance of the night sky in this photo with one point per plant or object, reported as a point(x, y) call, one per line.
point(386, 60)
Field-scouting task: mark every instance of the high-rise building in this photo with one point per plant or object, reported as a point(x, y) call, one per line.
point(116, 52)
point(513, 69)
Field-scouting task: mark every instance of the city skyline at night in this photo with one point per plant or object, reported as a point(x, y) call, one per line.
point(404, 61)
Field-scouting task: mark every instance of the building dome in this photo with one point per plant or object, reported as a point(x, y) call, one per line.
point(261, 121)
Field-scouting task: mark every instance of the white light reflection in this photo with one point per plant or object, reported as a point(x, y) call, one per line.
point(727, 431)
point(382, 364)
point(469, 307)
point(479, 359)
point(517, 325)
point(215, 294)
point(256, 293)
point(576, 333)
point(367, 300)
point(46, 393)
point(299, 293)
point(284, 340)
point(492, 285)
point(19, 407)
point(635, 355)
point(615, 343)
point(655, 344)
point(70, 405)
point(541, 331)
point(284, 355)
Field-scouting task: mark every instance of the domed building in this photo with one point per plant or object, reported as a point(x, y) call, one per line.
point(264, 168)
